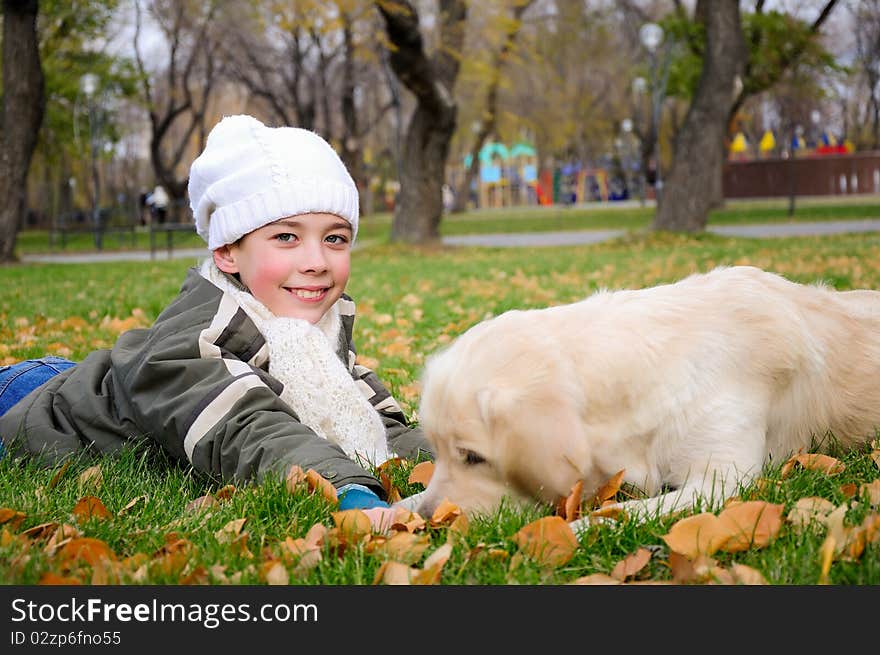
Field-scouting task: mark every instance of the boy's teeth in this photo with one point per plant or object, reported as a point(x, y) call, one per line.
point(306, 293)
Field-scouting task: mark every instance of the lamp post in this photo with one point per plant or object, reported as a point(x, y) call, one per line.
point(88, 85)
point(651, 36)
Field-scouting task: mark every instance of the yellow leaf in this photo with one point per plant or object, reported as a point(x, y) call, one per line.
point(610, 488)
point(405, 547)
point(85, 549)
point(320, 484)
point(549, 541)
point(569, 508)
point(446, 512)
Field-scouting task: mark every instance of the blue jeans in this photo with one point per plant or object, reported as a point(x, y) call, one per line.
point(18, 380)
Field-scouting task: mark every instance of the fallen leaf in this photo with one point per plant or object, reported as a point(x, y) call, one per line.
point(548, 540)
point(811, 509)
point(59, 474)
point(41, 531)
point(849, 489)
point(274, 573)
point(11, 517)
point(751, 524)
point(596, 579)
point(225, 493)
point(90, 507)
point(439, 557)
point(701, 534)
point(631, 564)
point(295, 477)
point(685, 570)
point(446, 512)
point(229, 532)
point(871, 492)
point(85, 549)
point(393, 573)
point(354, 526)
point(201, 503)
point(569, 508)
point(813, 462)
point(50, 578)
point(405, 547)
point(322, 485)
point(91, 478)
point(610, 488)
point(421, 473)
point(134, 502)
point(826, 553)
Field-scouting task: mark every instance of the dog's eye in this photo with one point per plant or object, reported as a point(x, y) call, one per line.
point(471, 458)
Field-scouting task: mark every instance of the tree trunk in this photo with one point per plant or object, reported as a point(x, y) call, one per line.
point(688, 193)
point(419, 207)
point(22, 114)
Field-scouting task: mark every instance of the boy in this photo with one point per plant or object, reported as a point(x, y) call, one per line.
point(250, 370)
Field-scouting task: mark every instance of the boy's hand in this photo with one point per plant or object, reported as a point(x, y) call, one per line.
point(357, 496)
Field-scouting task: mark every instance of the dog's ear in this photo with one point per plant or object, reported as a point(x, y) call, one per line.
point(538, 443)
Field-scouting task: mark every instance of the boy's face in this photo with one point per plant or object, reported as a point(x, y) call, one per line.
point(297, 266)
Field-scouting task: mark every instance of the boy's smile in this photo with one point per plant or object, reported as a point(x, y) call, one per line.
point(297, 266)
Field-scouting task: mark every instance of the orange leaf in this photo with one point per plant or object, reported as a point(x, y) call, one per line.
point(320, 484)
point(813, 462)
point(90, 507)
point(394, 573)
point(12, 517)
point(596, 579)
point(294, 477)
point(631, 564)
point(405, 547)
point(750, 524)
point(421, 473)
point(274, 573)
point(225, 493)
point(446, 512)
point(50, 578)
point(610, 488)
point(229, 532)
point(569, 507)
point(86, 549)
point(549, 540)
point(696, 535)
point(353, 525)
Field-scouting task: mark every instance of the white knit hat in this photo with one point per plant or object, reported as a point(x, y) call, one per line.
point(250, 175)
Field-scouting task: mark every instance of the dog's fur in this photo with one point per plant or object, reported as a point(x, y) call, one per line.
point(692, 387)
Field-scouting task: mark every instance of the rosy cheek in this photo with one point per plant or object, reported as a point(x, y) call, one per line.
point(267, 277)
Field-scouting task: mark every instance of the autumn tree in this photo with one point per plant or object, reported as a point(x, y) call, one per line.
point(178, 94)
point(313, 65)
point(686, 198)
point(488, 121)
point(21, 114)
point(431, 79)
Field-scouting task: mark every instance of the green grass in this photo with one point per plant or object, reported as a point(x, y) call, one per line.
point(377, 227)
point(420, 298)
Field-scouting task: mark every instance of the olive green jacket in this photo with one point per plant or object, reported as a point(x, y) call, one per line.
point(196, 382)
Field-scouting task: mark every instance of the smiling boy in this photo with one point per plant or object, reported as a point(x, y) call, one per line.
point(251, 369)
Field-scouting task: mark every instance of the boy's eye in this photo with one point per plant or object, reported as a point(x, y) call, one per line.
point(336, 238)
point(285, 237)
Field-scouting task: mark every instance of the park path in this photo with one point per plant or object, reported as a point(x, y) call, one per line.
point(525, 239)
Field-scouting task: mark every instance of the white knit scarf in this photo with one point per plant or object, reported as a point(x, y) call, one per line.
point(317, 385)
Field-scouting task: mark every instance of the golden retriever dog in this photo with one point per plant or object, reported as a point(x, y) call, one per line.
point(691, 388)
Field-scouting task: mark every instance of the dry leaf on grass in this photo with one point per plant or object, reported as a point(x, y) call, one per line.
point(596, 579)
point(421, 473)
point(813, 462)
point(631, 564)
point(201, 503)
point(446, 512)
point(90, 507)
point(92, 478)
point(569, 508)
point(11, 517)
point(549, 541)
point(353, 525)
point(696, 535)
point(84, 549)
point(870, 492)
point(809, 510)
point(134, 502)
point(229, 532)
point(750, 524)
point(608, 490)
